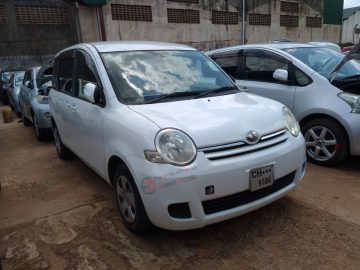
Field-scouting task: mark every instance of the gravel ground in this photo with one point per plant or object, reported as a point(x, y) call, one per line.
point(61, 215)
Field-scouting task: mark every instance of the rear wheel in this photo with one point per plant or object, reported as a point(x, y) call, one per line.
point(62, 151)
point(129, 202)
point(326, 142)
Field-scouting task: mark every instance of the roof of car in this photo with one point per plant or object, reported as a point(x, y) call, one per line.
point(113, 46)
point(275, 45)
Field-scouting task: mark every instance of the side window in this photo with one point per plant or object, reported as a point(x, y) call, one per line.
point(229, 64)
point(301, 78)
point(66, 71)
point(85, 73)
point(262, 66)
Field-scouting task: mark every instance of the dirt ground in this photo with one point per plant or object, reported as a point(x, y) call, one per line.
point(61, 215)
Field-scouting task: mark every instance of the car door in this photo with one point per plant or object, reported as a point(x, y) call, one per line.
point(87, 117)
point(256, 74)
point(62, 96)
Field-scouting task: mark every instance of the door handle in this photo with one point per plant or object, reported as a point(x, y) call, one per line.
point(245, 89)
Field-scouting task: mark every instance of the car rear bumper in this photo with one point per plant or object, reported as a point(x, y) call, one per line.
point(169, 191)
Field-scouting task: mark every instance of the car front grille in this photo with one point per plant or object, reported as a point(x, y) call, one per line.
point(240, 148)
point(244, 197)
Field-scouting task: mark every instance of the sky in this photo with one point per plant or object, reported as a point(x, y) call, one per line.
point(351, 3)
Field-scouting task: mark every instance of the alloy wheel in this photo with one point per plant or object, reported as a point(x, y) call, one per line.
point(321, 143)
point(126, 199)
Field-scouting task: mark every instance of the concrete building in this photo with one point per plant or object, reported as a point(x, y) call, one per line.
point(209, 24)
point(351, 26)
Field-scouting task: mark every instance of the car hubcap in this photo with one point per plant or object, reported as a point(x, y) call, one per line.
point(321, 143)
point(57, 140)
point(126, 199)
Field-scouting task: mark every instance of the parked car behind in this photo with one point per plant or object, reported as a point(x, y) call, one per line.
point(15, 82)
point(34, 100)
point(301, 76)
point(4, 84)
point(181, 145)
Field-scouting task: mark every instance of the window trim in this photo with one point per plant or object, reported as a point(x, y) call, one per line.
point(65, 55)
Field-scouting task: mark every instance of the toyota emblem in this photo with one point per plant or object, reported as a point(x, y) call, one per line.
point(252, 137)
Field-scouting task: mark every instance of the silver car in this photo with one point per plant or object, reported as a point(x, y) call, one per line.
point(14, 90)
point(318, 84)
point(34, 101)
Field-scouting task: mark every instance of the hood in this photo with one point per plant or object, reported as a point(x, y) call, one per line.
point(353, 54)
point(217, 120)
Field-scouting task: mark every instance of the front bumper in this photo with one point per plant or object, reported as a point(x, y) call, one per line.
point(351, 121)
point(161, 185)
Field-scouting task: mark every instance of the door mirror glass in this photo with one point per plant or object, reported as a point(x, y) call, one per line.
point(28, 84)
point(90, 92)
point(281, 75)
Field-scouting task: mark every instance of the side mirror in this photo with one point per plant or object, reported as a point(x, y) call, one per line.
point(90, 92)
point(28, 84)
point(281, 75)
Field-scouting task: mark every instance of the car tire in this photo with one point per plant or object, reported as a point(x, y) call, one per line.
point(326, 142)
point(26, 122)
point(130, 205)
point(41, 133)
point(62, 151)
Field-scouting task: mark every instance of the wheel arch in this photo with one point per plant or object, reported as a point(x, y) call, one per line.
point(113, 162)
point(310, 117)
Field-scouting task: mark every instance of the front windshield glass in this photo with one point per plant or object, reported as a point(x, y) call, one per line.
point(140, 76)
point(5, 76)
point(19, 78)
point(324, 61)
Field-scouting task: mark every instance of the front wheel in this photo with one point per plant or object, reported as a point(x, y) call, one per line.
point(326, 142)
point(129, 202)
point(41, 133)
point(62, 151)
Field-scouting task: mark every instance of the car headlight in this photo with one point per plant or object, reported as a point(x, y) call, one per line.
point(172, 146)
point(351, 99)
point(291, 123)
point(42, 99)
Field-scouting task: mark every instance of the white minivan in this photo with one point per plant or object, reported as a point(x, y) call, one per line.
point(182, 146)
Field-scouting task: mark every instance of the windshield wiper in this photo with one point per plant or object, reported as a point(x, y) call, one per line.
point(173, 95)
point(216, 90)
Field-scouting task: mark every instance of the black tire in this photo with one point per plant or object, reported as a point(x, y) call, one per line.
point(62, 151)
point(330, 135)
point(25, 121)
point(41, 133)
point(141, 223)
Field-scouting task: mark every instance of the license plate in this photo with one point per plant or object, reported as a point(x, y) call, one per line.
point(261, 177)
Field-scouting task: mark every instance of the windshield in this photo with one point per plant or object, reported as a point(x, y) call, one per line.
point(5, 76)
point(140, 76)
point(324, 61)
point(19, 78)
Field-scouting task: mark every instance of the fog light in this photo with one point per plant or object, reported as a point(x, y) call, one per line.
point(47, 115)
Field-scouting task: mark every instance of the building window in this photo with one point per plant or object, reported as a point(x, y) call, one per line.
point(286, 20)
point(259, 19)
point(185, 1)
point(289, 7)
point(183, 15)
point(314, 22)
point(131, 13)
point(225, 17)
point(2, 15)
point(41, 15)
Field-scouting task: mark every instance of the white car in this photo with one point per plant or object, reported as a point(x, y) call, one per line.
point(182, 146)
point(318, 84)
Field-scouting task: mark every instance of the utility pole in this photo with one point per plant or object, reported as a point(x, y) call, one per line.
point(243, 21)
